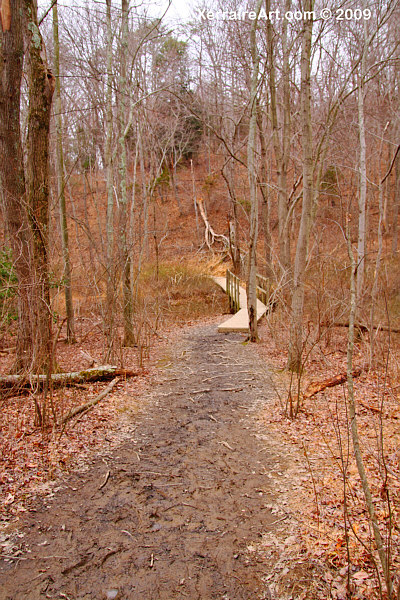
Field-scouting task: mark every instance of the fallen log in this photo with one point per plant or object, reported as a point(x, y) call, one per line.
point(370, 407)
point(88, 405)
point(394, 414)
point(319, 386)
point(102, 373)
point(363, 328)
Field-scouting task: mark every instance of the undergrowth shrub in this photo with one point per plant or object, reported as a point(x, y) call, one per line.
point(179, 293)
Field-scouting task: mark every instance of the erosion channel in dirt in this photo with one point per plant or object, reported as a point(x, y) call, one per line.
point(178, 509)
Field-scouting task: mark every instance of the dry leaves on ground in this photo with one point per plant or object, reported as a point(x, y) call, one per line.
point(321, 434)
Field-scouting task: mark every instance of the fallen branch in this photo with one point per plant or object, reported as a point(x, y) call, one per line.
point(319, 386)
point(106, 478)
point(7, 350)
point(374, 409)
point(363, 328)
point(223, 443)
point(205, 391)
point(380, 411)
point(34, 381)
point(88, 405)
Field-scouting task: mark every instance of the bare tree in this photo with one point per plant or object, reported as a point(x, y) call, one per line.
point(252, 174)
point(124, 221)
point(280, 131)
point(379, 542)
point(362, 199)
point(110, 266)
point(296, 324)
point(12, 176)
point(27, 198)
point(61, 182)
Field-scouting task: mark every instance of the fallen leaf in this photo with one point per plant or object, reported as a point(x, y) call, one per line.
point(361, 575)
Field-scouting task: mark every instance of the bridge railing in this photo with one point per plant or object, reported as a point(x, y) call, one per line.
point(263, 289)
point(232, 289)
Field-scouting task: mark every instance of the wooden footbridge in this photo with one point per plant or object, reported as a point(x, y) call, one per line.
point(238, 301)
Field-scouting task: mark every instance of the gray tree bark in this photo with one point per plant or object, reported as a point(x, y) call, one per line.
point(110, 290)
point(383, 555)
point(362, 197)
point(41, 85)
point(396, 203)
point(281, 143)
point(252, 175)
point(262, 184)
point(124, 221)
point(69, 307)
point(294, 362)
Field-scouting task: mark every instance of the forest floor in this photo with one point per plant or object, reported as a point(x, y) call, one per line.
point(194, 502)
point(190, 481)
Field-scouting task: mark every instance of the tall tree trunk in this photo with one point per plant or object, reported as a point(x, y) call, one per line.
point(194, 198)
point(132, 220)
point(41, 88)
point(362, 197)
point(228, 173)
point(262, 184)
point(396, 203)
point(110, 290)
point(384, 556)
point(286, 128)
point(252, 175)
point(61, 184)
point(174, 180)
point(375, 285)
point(281, 146)
point(296, 324)
point(123, 118)
point(12, 177)
point(143, 239)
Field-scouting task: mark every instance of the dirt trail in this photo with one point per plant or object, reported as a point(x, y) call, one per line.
point(171, 514)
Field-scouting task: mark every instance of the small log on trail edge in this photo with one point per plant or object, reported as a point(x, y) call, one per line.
point(363, 328)
point(103, 373)
point(319, 386)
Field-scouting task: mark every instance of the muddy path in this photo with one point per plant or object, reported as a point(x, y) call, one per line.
point(174, 512)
